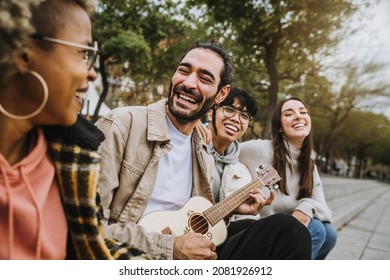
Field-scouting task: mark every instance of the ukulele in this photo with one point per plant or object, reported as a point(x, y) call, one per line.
point(201, 216)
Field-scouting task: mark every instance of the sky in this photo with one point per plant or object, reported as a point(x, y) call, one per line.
point(382, 24)
point(381, 30)
point(375, 45)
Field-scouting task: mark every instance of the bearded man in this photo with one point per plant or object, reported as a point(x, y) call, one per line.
point(154, 159)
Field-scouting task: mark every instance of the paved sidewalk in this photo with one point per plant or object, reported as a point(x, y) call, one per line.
point(364, 232)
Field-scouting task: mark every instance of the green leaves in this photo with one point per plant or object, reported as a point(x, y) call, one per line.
point(127, 46)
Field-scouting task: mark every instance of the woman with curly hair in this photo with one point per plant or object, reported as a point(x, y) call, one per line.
point(49, 206)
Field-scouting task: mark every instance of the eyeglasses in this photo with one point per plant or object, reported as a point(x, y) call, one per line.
point(90, 53)
point(230, 111)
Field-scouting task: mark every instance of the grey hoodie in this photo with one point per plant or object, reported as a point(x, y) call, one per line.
point(230, 157)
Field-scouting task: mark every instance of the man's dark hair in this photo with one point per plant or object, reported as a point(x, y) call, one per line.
point(244, 98)
point(215, 46)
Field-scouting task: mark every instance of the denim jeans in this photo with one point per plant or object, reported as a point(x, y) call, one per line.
point(323, 238)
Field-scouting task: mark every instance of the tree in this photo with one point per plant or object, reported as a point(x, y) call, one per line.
point(119, 42)
point(359, 137)
point(138, 39)
point(380, 152)
point(279, 39)
point(334, 104)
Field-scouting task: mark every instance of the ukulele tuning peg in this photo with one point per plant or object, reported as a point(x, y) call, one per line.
point(276, 186)
point(260, 168)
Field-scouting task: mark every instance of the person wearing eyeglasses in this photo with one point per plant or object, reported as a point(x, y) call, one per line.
point(227, 122)
point(49, 165)
point(300, 194)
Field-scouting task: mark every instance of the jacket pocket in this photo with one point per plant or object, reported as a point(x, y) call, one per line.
point(133, 168)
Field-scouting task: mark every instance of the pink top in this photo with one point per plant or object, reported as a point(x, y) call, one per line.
point(32, 219)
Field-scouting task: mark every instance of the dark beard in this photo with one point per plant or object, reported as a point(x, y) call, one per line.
point(191, 116)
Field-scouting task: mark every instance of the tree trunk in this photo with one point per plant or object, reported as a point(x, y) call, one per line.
point(270, 62)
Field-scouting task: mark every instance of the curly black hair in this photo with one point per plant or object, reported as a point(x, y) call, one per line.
point(244, 98)
point(19, 19)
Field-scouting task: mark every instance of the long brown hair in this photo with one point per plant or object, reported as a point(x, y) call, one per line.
point(281, 155)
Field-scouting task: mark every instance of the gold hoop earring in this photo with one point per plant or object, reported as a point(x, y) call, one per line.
point(40, 108)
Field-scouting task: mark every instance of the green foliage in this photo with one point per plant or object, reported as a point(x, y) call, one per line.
point(119, 35)
point(145, 36)
point(366, 135)
point(128, 46)
point(278, 39)
point(277, 47)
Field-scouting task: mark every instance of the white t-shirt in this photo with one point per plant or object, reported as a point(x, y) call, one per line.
point(174, 177)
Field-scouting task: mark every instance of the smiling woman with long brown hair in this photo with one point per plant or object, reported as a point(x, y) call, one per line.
point(300, 193)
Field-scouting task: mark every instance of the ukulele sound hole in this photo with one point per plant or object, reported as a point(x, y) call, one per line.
point(198, 224)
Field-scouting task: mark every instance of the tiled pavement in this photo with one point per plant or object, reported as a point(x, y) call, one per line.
point(361, 214)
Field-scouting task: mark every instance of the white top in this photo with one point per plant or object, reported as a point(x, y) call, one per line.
point(256, 152)
point(174, 177)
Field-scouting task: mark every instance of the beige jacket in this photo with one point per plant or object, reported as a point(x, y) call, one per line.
point(235, 176)
point(136, 138)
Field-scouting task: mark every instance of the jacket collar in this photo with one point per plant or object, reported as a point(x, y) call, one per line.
point(157, 125)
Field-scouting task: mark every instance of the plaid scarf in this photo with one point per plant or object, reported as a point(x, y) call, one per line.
point(77, 168)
